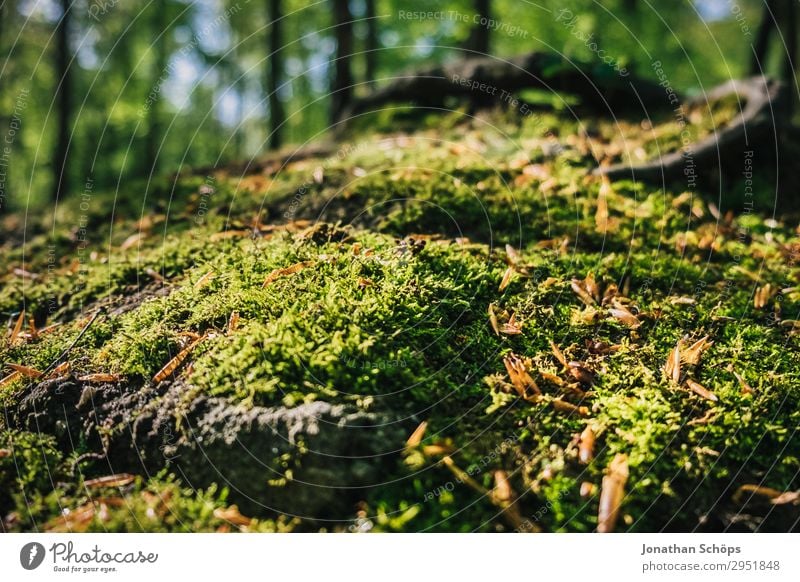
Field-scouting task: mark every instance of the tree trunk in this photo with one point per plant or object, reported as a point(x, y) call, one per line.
point(277, 115)
point(153, 140)
point(762, 38)
point(63, 102)
point(371, 48)
point(790, 60)
point(342, 82)
point(478, 40)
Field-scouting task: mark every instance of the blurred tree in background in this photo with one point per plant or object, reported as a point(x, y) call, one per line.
point(122, 91)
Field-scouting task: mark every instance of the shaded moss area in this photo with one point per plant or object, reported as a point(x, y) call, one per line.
point(253, 352)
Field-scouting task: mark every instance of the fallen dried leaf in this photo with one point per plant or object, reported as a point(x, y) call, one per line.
point(586, 446)
point(277, 273)
point(672, 368)
point(692, 354)
point(25, 370)
point(231, 514)
point(12, 377)
point(701, 390)
point(612, 493)
point(746, 389)
point(416, 437)
point(509, 272)
point(493, 320)
point(511, 327)
point(579, 288)
point(233, 321)
point(558, 354)
point(569, 408)
point(170, 367)
point(757, 490)
point(99, 378)
point(17, 327)
point(787, 497)
point(517, 369)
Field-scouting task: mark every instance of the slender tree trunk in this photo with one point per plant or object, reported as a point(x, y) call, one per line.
point(762, 38)
point(790, 58)
point(371, 55)
point(277, 114)
point(153, 140)
point(479, 35)
point(63, 102)
point(342, 83)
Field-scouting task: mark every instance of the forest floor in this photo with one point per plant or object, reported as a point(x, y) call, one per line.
point(442, 324)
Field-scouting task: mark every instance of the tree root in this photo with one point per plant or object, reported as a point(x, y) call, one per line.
point(755, 126)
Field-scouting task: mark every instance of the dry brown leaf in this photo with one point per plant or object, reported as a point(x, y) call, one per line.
point(437, 449)
point(580, 289)
point(233, 321)
point(513, 255)
point(672, 368)
point(17, 327)
point(118, 480)
point(701, 390)
point(580, 372)
point(4, 453)
point(787, 497)
point(750, 490)
point(493, 320)
point(586, 446)
point(587, 489)
point(12, 377)
point(99, 378)
point(612, 493)
point(170, 367)
point(511, 327)
point(416, 437)
point(363, 282)
point(763, 295)
point(517, 369)
point(569, 408)
point(624, 315)
point(25, 370)
point(746, 388)
point(558, 354)
point(231, 514)
point(692, 354)
point(278, 273)
point(61, 370)
point(509, 272)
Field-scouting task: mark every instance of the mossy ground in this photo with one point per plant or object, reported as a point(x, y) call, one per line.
point(399, 242)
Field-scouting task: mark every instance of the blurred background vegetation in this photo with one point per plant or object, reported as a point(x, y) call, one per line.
point(111, 91)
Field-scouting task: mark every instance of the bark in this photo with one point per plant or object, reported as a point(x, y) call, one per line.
point(63, 102)
point(478, 40)
point(762, 38)
point(277, 114)
point(342, 82)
